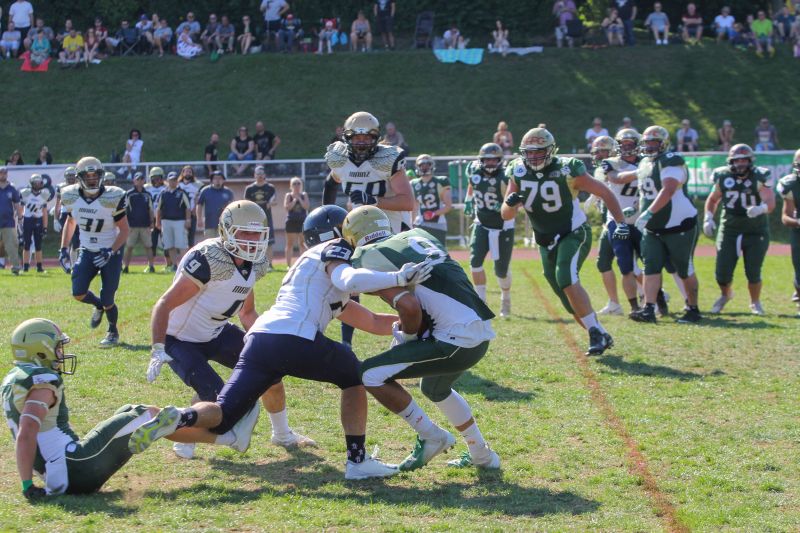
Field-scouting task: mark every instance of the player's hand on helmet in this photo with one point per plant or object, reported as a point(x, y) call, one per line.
point(513, 199)
point(756, 210)
point(362, 198)
point(157, 358)
point(628, 212)
point(414, 273)
point(103, 257)
point(64, 260)
point(643, 219)
point(622, 232)
point(34, 493)
point(708, 225)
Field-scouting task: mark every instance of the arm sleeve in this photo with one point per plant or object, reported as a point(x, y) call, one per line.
point(349, 279)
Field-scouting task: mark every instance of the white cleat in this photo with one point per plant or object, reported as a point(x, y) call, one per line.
point(611, 308)
point(293, 440)
point(719, 305)
point(370, 467)
point(184, 450)
point(243, 429)
point(757, 309)
point(489, 461)
point(505, 307)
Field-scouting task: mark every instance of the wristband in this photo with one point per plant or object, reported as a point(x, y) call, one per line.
point(26, 484)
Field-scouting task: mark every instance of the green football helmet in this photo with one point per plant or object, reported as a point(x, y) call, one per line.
point(538, 147)
point(628, 140)
point(90, 174)
point(489, 152)
point(41, 342)
point(364, 225)
point(424, 159)
point(655, 141)
point(603, 147)
point(741, 159)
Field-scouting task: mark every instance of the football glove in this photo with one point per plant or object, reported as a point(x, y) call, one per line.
point(415, 273)
point(34, 493)
point(469, 207)
point(64, 260)
point(362, 198)
point(513, 199)
point(428, 215)
point(400, 336)
point(44, 232)
point(622, 232)
point(708, 225)
point(756, 210)
point(157, 358)
point(56, 225)
point(643, 219)
point(103, 257)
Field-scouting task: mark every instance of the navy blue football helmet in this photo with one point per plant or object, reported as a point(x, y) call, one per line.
point(323, 224)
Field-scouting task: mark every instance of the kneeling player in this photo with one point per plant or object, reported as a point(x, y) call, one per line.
point(191, 322)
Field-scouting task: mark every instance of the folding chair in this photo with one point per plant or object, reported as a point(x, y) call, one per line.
point(126, 48)
point(423, 32)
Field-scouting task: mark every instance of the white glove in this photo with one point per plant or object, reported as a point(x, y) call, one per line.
point(643, 219)
point(56, 225)
point(414, 273)
point(708, 224)
point(756, 210)
point(400, 336)
point(157, 358)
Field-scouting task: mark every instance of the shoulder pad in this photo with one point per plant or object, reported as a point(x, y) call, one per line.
point(516, 168)
point(472, 167)
point(261, 268)
point(789, 179)
point(337, 250)
point(671, 159)
point(70, 194)
point(384, 158)
point(111, 196)
point(719, 173)
point(219, 260)
point(337, 155)
point(443, 181)
point(40, 374)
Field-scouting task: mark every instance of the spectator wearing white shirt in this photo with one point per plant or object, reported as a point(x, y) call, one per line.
point(21, 13)
point(659, 24)
point(595, 131)
point(273, 11)
point(723, 23)
point(687, 137)
point(133, 152)
point(453, 38)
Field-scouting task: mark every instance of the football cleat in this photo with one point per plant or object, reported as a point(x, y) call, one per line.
point(293, 440)
point(490, 461)
point(611, 308)
point(150, 269)
point(757, 309)
point(163, 424)
point(111, 339)
point(370, 467)
point(691, 316)
point(662, 301)
point(599, 342)
point(243, 429)
point(97, 317)
point(427, 449)
point(796, 296)
point(184, 450)
point(719, 305)
point(645, 314)
point(505, 306)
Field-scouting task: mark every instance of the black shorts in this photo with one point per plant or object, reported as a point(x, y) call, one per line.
point(294, 225)
point(384, 24)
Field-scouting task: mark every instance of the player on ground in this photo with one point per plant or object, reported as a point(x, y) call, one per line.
point(35, 407)
point(191, 326)
point(745, 191)
point(432, 199)
point(288, 339)
point(490, 233)
point(60, 215)
point(789, 189)
point(547, 187)
point(99, 212)
point(667, 220)
point(444, 329)
point(34, 220)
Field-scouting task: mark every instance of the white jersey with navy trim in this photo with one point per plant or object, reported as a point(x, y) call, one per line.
point(192, 190)
point(155, 194)
point(97, 216)
point(307, 300)
point(34, 203)
point(627, 194)
point(223, 290)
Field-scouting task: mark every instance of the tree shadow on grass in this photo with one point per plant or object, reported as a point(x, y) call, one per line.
point(473, 384)
point(135, 347)
point(110, 504)
point(535, 318)
point(638, 368)
point(716, 321)
point(307, 475)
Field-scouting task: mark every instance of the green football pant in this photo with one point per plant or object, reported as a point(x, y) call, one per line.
point(103, 451)
point(480, 244)
point(439, 364)
point(674, 248)
point(751, 247)
point(795, 240)
point(563, 261)
point(605, 253)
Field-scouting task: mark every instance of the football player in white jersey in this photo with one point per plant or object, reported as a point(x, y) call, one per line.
point(154, 188)
point(34, 220)
point(288, 339)
point(191, 324)
point(60, 216)
point(99, 211)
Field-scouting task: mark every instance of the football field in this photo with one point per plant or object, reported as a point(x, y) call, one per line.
point(676, 428)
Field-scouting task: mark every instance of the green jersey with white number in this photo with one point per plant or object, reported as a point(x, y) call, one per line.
point(428, 196)
point(487, 194)
point(739, 193)
point(651, 173)
point(456, 313)
point(789, 189)
point(549, 196)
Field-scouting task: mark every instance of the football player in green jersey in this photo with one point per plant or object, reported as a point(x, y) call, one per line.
point(667, 220)
point(444, 329)
point(35, 407)
point(789, 189)
point(745, 191)
point(432, 199)
point(490, 233)
point(547, 187)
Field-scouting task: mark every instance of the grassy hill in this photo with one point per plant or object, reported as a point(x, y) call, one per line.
point(441, 109)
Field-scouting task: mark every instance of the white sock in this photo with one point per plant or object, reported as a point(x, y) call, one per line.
point(505, 296)
point(590, 321)
point(475, 441)
point(280, 422)
point(679, 283)
point(419, 421)
point(226, 439)
point(481, 290)
point(455, 408)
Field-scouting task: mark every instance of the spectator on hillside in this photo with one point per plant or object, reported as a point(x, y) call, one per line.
point(10, 41)
point(596, 130)
point(795, 36)
point(500, 37)
point(504, 138)
point(613, 27)
point(15, 159)
point(384, 12)
point(273, 11)
point(762, 32)
point(564, 11)
point(747, 31)
point(101, 33)
point(187, 48)
point(162, 37)
point(40, 49)
point(627, 12)
point(133, 152)
point(210, 203)
point(71, 49)
point(659, 24)
point(263, 194)
point(360, 33)
point(296, 205)
point(723, 24)
point(211, 152)
point(173, 219)
point(783, 24)
point(325, 36)
point(192, 24)
point(21, 14)
point(145, 29)
point(125, 34)
point(627, 123)
point(392, 137)
point(248, 36)
point(725, 135)
point(139, 208)
point(44, 158)
point(266, 142)
point(686, 137)
point(226, 35)
point(209, 35)
point(453, 38)
point(63, 34)
point(290, 32)
point(91, 47)
point(692, 25)
point(243, 148)
point(33, 33)
point(766, 136)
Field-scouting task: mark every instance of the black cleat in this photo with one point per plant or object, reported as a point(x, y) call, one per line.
point(691, 316)
point(645, 314)
point(661, 302)
point(124, 270)
point(599, 342)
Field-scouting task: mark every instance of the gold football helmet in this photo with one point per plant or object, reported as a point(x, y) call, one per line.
point(538, 146)
point(366, 224)
point(424, 159)
point(244, 216)
point(603, 147)
point(70, 175)
point(741, 159)
point(655, 141)
point(489, 152)
point(361, 133)
point(90, 174)
point(41, 342)
point(628, 140)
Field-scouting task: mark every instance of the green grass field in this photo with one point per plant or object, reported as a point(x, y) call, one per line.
point(676, 428)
